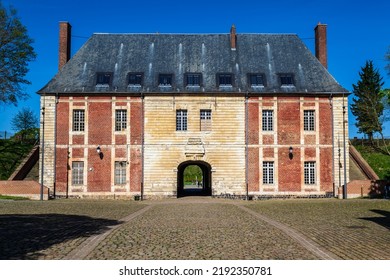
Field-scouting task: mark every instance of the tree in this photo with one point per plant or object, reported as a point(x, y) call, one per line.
point(368, 101)
point(193, 173)
point(386, 103)
point(25, 122)
point(387, 57)
point(369, 104)
point(15, 54)
point(387, 96)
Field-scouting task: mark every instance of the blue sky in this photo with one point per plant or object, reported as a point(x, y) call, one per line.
point(357, 30)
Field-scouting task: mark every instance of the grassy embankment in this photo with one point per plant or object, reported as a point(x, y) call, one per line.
point(12, 152)
point(376, 158)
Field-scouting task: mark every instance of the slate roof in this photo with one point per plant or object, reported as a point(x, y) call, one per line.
point(208, 54)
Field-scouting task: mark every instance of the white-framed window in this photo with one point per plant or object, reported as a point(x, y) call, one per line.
point(181, 120)
point(120, 120)
point(77, 173)
point(310, 172)
point(309, 120)
point(268, 172)
point(120, 173)
point(78, 120)
point(205, 120)
point(267, 121)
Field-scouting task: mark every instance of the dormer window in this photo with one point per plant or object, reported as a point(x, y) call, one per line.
point(286, 80)
point(225, 80)
point(135, 79)
point(165, 80)
point(193, 79)
point(256, 80)
point(103, 79)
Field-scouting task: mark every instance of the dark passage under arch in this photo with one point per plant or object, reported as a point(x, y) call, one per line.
point(204, 188)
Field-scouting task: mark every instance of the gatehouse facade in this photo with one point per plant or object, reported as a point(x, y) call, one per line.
point(258, 113)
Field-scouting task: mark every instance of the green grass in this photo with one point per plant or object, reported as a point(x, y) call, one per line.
point(379, 161)
point(7, 197)
point(12, 152)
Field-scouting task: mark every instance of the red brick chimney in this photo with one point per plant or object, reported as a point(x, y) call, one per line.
point(321, 48)
point(233, 37)
point(64, 44)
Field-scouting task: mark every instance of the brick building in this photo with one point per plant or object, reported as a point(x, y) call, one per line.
point(258, 113)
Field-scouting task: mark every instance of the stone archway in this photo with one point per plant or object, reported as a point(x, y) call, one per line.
point(204, 190)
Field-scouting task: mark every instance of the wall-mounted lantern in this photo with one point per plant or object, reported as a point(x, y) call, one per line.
point(99, 151)
point(290, 152)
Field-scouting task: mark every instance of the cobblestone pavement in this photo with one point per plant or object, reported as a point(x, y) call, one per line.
point(53, 229)
point(357, 229)
point(198, 230)
point(195, 228)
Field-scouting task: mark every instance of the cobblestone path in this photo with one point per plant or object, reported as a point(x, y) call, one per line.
point(195, 228)
point(196, 231)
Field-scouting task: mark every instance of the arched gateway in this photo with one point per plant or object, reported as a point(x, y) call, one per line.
point(204, 187)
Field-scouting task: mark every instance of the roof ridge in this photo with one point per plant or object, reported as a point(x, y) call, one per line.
point(195, 34)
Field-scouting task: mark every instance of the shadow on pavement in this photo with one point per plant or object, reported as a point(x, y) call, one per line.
point(23, 236)
point(382, 221)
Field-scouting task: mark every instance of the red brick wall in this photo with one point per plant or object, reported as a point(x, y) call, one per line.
point(136, 139)
point(135, 170)
point(290, 171)
point(120, 153)
point(99, 123)
point(326, 162)
point(268, 139)
point(99, 131)
point(325, 116)
point(268, 152)
point(253, 122)
point(136, 122)
point(288, 127)
point(310, 153)
point(310, 139)
point(63, 122)
point(99, 178)
point(77, 152)
point(78, 140)
point(253, 169)
point(289, 122)
point(62, 137)
point(366, 188)
point(61, 179)
point(120, 139)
